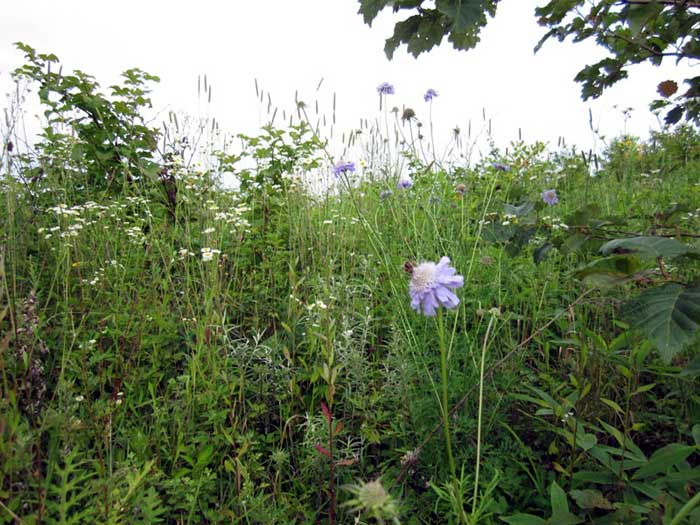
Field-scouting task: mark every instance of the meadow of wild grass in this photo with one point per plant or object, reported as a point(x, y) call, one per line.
point(176, 351)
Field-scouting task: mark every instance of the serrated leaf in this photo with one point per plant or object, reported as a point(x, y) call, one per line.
point(539, 253)
point(639, 15)
point(668, 315)
point(674, 115)
point(369, 9)
point(464, 15)
point(648, 247)
point(519, 211)
point(608, 271)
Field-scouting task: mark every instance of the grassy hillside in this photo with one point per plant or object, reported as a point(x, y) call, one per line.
point(177, 352)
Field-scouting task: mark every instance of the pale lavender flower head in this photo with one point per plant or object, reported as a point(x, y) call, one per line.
point(404, 184)
point(385, 194)
point(498, 166)
point(385, 88)
point(550, 197)
point(431, 286)
point(430, 95)
point(342, 167)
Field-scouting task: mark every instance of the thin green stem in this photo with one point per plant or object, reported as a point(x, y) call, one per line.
point(481, 409)
point(443, 405)
point(686, 509)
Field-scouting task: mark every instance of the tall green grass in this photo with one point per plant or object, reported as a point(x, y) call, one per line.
point(177, 351)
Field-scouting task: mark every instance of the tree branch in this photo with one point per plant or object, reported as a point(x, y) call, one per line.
point(690, 4)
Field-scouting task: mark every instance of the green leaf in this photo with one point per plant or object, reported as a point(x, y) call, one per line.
point(524, 519)
point(590, 499)
point(674, 115)
point(648, 247)
point(663, 459)
point(668, 315)
point(608, 271)
point(369, 9)
point(539, 253)
point(643, 388)
point(465, 15)
point(696, 434)
point(560, 507)
point(612, 404)
point(586, 441)
point(519, 211)
point(639, 15)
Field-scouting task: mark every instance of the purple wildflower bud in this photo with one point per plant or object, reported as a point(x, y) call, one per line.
point(385, 89)
point(550, 197)
point(431, 286)
point(404, 184)
point(430, 95)
point(500, 167)
point(343, 167)
point(385, 194)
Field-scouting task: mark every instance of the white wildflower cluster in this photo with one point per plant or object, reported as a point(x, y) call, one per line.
point(73, 220)
point(183, 253)
point(99, 274)
point(234, 218)
point(317, 305)
point(555, 223)
point(691, 215)
point(509, 218)
point(135, 234)
point(293, 179)
point(209, 253)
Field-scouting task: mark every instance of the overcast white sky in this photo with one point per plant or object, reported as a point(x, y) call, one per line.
point(289, 45)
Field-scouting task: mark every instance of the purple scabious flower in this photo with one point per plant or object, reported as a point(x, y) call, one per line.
point(550, 197)
point(430, 95)
point(500, 167)
point(385, 194)
point(404, 184)
point(342, 167)
point(385, 89)
point(431, 286)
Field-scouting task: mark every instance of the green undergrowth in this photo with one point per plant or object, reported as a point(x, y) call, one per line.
point(177, 351)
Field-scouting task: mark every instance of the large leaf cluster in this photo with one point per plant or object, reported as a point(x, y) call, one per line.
point(632, 31)
point(105, 139)
point(459, 20)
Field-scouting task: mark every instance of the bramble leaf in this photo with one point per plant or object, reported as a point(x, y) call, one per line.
point(669, 316)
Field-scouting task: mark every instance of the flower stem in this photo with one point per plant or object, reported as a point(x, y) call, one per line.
point(444, 405)
point(479, 417)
